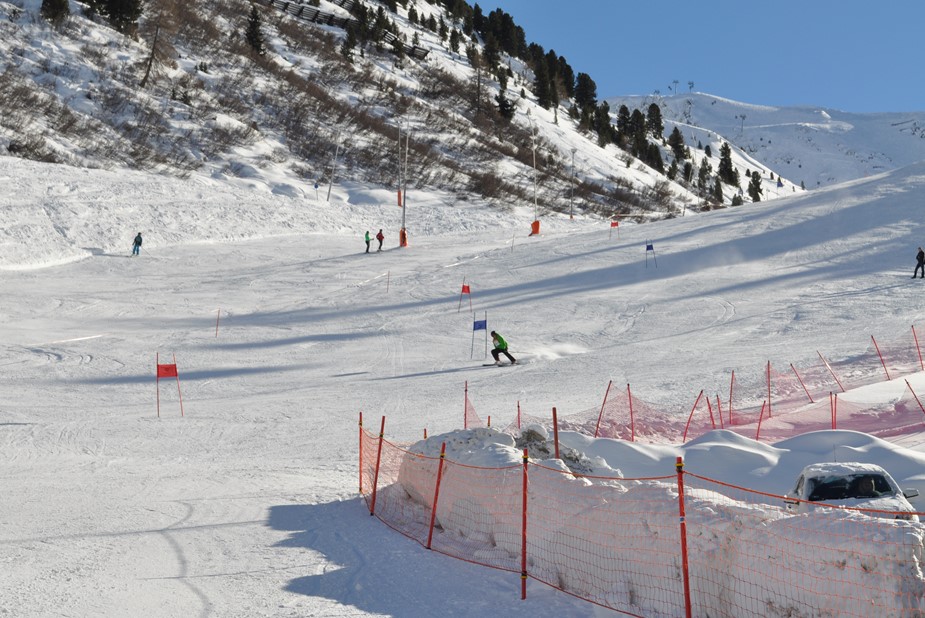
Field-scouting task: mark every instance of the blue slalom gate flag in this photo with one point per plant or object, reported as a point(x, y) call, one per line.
point(480, 325)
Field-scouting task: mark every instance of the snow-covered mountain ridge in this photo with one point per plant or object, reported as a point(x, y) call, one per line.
point(815, 146)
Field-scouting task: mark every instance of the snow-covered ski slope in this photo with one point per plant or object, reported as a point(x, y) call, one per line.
point(284, 330)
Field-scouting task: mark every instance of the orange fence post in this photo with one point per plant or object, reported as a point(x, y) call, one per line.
point(629, 396)
point(433, 512)
point(760, 417)
point(909, 386)
point(827, 366)
point(555, 430)
point(917, 348)
point(523, 533)
point(769, 389)
point(686, 427)
point(466, 405)
point(372, 505)
point(885, 370)
point(731, 383)
point(679, 466)
point(601, 415)
point(361, 452)
point(801, 383)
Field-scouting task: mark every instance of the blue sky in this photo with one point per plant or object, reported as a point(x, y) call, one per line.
point(849, 55)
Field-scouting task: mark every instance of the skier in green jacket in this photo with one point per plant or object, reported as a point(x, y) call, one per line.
point(368, 240)
point(500, 348)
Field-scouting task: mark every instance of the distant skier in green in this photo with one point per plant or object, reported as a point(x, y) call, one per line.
point(500, 348)
point(136, 245)
point(368, 240)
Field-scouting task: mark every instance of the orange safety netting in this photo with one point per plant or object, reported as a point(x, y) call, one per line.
point(621, 544)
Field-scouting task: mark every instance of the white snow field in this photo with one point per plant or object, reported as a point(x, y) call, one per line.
point(248, 504)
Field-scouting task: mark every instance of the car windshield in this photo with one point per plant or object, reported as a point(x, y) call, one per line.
point(843, 487)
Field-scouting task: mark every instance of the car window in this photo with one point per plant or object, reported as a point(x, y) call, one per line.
point(869, 486)
point(837, 487)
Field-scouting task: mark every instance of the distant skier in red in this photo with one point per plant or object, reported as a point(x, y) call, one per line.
point(380, 237)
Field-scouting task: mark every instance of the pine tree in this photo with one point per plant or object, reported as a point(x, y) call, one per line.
point(623, 124)
point(718, 190)
point(585, 91)
point(123, 14)
point(55, 11)
point(254, 33)
point(703, 175)
point(726, 171)
point(541, 86)
point(654, 120)
point(676, 143)
point(506, 107)
point(350, 41)
point(754, 187)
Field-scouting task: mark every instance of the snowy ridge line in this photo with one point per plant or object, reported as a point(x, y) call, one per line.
point(744, 552)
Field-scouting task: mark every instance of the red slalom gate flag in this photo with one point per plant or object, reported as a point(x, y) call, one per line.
point(614, 224)
point(167, 371)
point(465, 289)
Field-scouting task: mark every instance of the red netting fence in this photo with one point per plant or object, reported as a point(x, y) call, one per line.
point(676, 545)
point(774, 402)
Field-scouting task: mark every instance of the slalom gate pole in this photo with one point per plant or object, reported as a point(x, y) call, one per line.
point(372, 506)
point(686, 427)
point(217, 316)
point(555, 430)
point(885, 370)
point(523, 532)
point(157, 381)
point(909, 386)
point(719, 411)
point(801, 383)
point(632, 420)
point(917, 348)
point(760, 418)
point(685, 574)
point(601, 415)
point(433, 512)
point(178, 385)
point(361, 452)
point(710, 411)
